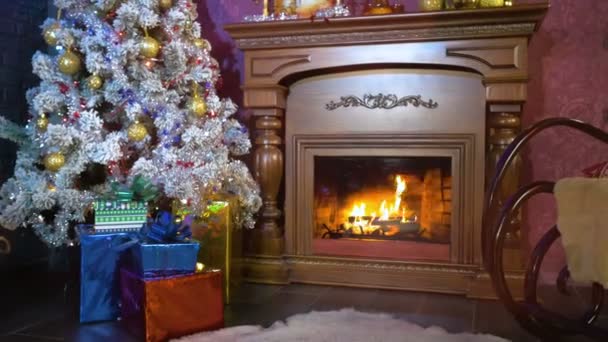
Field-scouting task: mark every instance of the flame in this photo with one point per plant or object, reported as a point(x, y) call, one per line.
point(384, 212)
point(401, 187)
point(395, 209)
point(358, 210)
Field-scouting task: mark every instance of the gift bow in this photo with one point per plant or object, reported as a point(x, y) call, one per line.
point(164, 229)
point(141, 190)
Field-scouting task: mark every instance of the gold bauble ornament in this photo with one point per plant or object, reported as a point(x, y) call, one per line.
point(137, 132)
point(165, 4)
point(51, 34)
point(200, 43)
point(149, 47)
point(95, 82)
point(197, 106)
point(69, 63)
point(54, 161)
point(42, 123)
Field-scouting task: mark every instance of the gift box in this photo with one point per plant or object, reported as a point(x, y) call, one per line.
point(161, 308)
point(220, 238)
point(125, 207)
point(101, 253)
point(164, 248)
point(149, 260)
point(119, 215)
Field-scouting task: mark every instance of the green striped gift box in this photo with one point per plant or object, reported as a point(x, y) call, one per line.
point(119, 216)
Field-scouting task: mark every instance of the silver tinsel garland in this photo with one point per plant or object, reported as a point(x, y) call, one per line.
point(189, 158)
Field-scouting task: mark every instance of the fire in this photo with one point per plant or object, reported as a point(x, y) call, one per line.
point(401, 188)
point(358, 210)
point(393, 211)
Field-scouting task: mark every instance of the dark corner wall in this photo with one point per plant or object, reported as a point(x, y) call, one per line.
point(19, 38)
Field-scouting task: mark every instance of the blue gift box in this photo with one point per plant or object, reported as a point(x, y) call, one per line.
point(164, 248)
point(154, 260)
point(101, 253)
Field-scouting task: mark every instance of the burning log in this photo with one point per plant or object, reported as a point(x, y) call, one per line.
point(394, 225)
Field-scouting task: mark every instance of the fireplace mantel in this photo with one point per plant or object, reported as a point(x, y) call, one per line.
point(520, 20)
point(489, 43)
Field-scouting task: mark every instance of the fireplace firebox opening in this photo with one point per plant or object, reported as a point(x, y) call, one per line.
point(398, 204)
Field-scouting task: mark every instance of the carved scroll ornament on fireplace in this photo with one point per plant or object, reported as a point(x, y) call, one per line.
point(381, 101)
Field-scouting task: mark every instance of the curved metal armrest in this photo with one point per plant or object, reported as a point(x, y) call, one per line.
point(530, 313)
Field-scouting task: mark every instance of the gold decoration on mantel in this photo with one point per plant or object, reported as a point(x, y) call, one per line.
point(491, 3)
point(380, 7)
point(430, 5)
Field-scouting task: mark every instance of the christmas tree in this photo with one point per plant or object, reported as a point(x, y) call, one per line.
point(128, 90)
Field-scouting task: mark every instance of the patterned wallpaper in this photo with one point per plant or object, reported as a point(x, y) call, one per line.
point(568, 78)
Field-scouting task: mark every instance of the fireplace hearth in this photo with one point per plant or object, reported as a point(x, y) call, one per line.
point(383, 187)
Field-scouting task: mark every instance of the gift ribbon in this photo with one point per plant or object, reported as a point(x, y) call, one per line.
point(164, 229)
point(140, 190)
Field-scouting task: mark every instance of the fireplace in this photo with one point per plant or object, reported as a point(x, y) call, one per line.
point(382, 207)
point(391, 125)
point(399, 183)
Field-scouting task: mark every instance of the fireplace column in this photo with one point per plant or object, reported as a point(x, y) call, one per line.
point(268, 166)
point(268, 106)
point(504, 124)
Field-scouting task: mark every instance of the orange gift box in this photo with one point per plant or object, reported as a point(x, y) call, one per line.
point(159, 309)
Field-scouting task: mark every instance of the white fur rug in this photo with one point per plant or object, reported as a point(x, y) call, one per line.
point(345, 325)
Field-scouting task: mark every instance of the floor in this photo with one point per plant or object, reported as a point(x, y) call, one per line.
point(36, 311)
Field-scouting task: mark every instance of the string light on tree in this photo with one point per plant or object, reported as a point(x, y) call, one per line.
point(149, 63)
point(54, 161)
point(42, 123)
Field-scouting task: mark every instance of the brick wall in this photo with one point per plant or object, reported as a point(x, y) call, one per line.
point(19, 38)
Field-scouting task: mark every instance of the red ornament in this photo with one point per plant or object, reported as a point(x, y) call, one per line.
point(76, 83)
point(176, 28)
point(63, 88)
point(76, 115)
point(184, 164)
